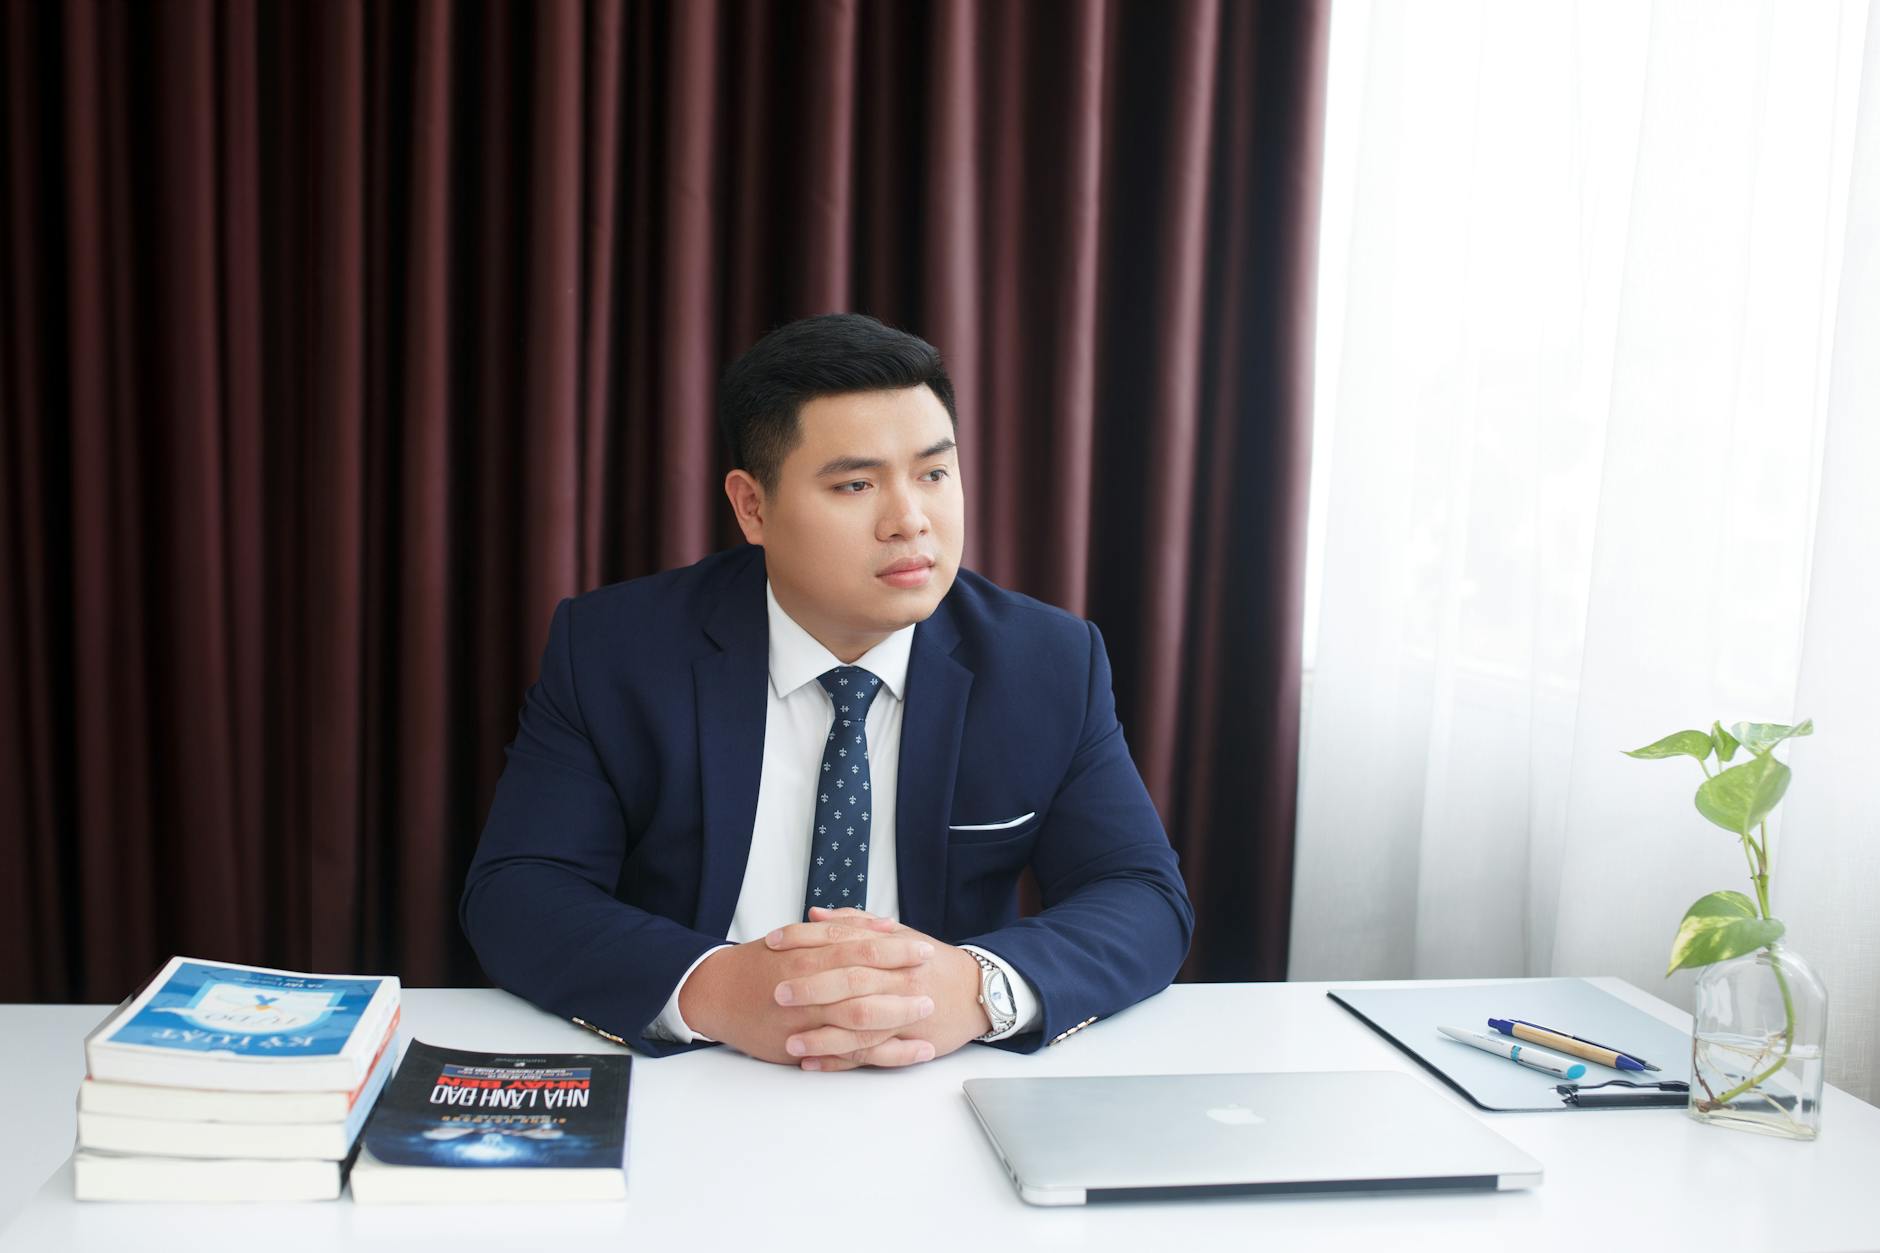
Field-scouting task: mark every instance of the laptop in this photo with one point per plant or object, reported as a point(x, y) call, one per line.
point(1072, 1141)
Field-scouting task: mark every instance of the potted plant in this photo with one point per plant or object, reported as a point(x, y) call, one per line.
point(1760, 1014)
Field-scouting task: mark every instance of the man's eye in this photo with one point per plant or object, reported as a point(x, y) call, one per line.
point(858, 484)
point(939, 470)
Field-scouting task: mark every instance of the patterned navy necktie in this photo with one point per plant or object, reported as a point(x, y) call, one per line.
point(838, 858)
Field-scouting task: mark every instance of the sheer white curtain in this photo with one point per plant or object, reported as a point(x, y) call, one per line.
point(1598, 459)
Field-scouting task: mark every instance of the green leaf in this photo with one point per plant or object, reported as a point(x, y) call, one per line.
point(1725, 743)
point(1742, 796)
point(1678, 743)
point(1718, 927)
point(1760, 737)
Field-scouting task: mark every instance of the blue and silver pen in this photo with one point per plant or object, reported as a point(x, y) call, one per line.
point(1534, 1033)
point(1560, 1066)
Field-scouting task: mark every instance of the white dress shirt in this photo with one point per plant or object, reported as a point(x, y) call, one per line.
point(797, 716)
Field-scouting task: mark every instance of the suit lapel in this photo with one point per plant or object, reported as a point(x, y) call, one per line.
point(931, 727)
point(730, 689)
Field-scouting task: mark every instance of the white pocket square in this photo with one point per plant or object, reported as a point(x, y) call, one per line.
point(997, 826)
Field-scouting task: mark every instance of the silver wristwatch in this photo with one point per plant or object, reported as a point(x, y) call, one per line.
point(995, 993)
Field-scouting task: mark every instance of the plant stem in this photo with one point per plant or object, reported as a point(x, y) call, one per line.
point(1759, 875)
point(1788, 1034)
point(1759, 870)
point(1749, 855)
point(1762, 851)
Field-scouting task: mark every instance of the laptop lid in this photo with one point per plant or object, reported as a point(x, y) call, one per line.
point(1068, 1141)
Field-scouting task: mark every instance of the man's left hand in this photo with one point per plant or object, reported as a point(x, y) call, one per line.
point(950, 977)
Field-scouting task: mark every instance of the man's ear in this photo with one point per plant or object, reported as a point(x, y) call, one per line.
point(746, 495)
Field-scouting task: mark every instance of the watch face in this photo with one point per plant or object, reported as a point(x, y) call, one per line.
point(999, 996)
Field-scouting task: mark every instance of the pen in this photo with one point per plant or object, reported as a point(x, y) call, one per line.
point(1516, 1053)
point(1534, 1033)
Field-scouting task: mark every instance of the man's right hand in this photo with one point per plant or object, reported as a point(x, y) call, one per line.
point(731, 995)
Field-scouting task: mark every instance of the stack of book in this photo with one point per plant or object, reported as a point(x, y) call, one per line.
point(220, 1082)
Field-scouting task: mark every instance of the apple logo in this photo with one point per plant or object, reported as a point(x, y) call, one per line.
point(1235, 1115)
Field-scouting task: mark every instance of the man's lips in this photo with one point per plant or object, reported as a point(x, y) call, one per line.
point(908, 573)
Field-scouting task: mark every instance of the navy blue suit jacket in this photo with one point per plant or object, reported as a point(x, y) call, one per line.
point(617, 840)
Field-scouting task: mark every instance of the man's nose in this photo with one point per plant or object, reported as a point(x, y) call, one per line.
point(902, 517)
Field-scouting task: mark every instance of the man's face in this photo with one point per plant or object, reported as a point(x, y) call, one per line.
point(862, 532)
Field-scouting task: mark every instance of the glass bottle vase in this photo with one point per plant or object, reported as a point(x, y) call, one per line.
point(1759, 1023)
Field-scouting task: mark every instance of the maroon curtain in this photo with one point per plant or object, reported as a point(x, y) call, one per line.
point(340, 340)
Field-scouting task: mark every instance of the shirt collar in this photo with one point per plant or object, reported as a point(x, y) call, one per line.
point(796, 658)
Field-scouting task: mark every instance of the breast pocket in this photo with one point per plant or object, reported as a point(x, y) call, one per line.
point(996, 831)
point(985, 857)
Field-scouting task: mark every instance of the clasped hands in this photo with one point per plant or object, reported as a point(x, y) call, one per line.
point(845, 989)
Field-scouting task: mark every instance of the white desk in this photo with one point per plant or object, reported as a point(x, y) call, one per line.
point(727, 1153)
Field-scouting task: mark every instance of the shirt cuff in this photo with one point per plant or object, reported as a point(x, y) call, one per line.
point(1024, 1000)
point(670, 1025)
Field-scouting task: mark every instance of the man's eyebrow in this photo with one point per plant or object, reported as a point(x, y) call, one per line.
point(849, 465)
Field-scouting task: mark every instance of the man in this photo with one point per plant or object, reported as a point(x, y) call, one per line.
point(781, 799)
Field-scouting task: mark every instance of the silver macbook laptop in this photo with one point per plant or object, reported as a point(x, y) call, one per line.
point(1149, 1137)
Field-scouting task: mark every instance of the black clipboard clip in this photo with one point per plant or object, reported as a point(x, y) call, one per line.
point(1625, 1094)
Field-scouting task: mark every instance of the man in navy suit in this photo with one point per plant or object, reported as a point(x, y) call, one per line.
point(781, 799)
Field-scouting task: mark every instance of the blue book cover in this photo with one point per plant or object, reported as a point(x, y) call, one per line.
point(484, 1111)
point(201, 1008)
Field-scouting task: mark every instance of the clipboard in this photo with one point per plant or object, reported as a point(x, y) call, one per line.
point(1409, 1016)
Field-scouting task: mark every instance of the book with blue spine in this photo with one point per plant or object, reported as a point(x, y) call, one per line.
point(148, 1100)
point(220, 1025)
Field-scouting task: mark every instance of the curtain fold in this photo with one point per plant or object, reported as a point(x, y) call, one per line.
point(340, 341)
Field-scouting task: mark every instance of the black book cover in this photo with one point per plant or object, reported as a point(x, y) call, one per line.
point(481, 1111)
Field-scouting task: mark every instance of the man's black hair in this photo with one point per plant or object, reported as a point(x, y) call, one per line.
point(762, 394)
